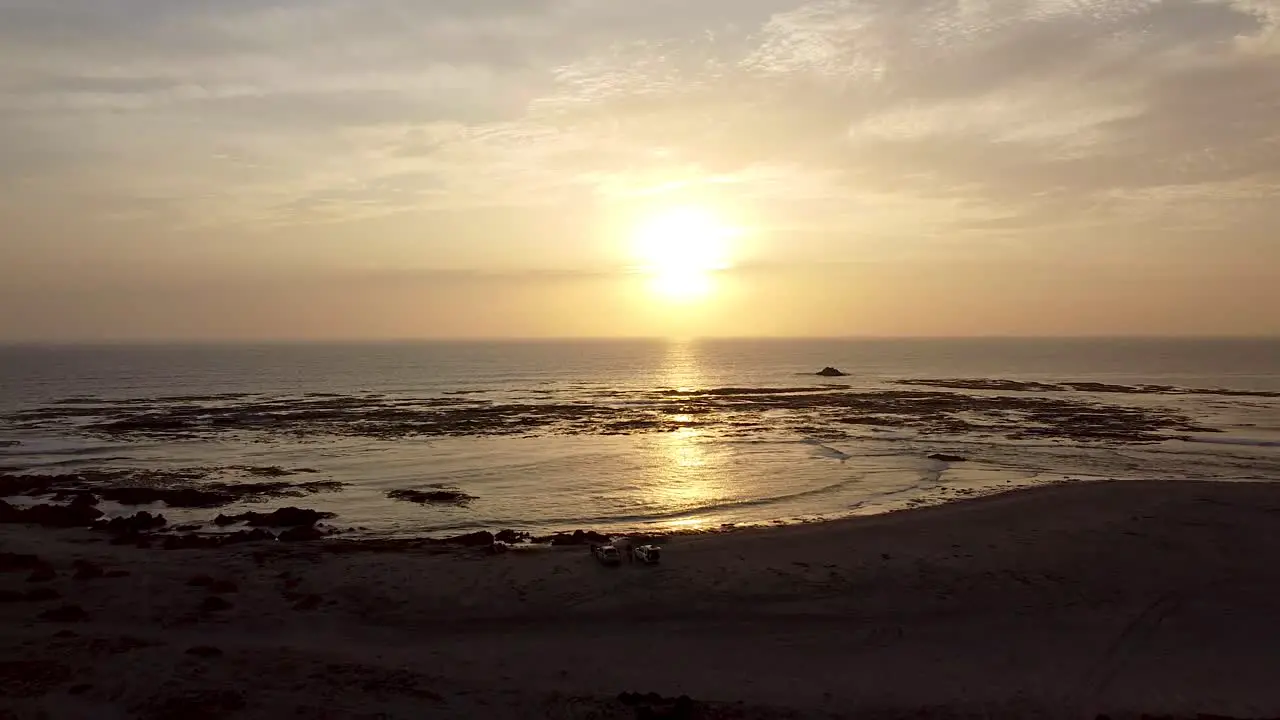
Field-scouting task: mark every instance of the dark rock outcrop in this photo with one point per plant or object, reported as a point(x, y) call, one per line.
point(476, 539)
point(76, 497)
point(831, 372)
point(433, 496)
point(204, 542)
point(132, 525)
point(284, 517)
point(577, 537)
point(57, 516)
point(300, 534)
point(511, 537)
point(943, 457)
point(173, 497)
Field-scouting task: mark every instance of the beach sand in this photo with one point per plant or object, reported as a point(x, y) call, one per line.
point(1064, 601)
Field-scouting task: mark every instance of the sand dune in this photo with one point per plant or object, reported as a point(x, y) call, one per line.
point(1067, 601)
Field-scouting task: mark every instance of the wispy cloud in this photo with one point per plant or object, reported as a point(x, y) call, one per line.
point(977, 113)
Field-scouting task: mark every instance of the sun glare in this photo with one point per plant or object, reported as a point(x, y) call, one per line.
point(681, 249)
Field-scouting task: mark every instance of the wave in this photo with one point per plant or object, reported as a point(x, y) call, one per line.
point(826, 450)
point(701, 510)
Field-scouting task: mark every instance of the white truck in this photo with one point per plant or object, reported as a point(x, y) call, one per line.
point(647, 554)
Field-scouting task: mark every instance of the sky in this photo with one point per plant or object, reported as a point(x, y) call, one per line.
point(378, 169)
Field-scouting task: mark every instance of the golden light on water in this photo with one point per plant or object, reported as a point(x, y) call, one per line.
point(684, 474)
point(681, 248)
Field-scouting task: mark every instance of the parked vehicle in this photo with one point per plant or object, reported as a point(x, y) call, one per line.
point(647, 554)
point(607, 554)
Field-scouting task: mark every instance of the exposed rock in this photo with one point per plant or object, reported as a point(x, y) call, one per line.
point(301, 534)
point(59, 516)
point(831, 372)
point(511, 537)
point(476, 539)
point(172, 497)
point(204, 651)
point(191, 542)
point(987, 384)
point(111, 574)
point(76, 497)
point(943, 457)
point(1045, 411)
point(201, 581)
point(183, 487)
point(42, 573)
point(269, 471)
point(577, 537)
point(132, 525)
point(66, 613)
point(284, 517)
point(196, 542)
point(248, 536)
point(434, 496)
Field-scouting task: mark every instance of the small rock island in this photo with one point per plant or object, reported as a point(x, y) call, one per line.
point(831, 372)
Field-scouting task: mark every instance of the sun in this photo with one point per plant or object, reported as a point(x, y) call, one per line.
point(681, 248)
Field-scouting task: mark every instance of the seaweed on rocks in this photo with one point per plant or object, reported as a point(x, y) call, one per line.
point(1019, 409)
point(180, 488)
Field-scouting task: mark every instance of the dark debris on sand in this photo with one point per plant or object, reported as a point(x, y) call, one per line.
point(65, 614)
point(32, 678)
point(210, 704)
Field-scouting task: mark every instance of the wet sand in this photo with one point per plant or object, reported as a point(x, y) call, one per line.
point(1065, 601)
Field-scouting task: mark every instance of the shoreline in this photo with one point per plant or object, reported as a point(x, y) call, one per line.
point(1067, 600)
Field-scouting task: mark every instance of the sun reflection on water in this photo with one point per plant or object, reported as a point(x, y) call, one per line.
point(683, 475)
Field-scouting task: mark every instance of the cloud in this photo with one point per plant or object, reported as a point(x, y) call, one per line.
point(911, 117)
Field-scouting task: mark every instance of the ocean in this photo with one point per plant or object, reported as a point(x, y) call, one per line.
point(641, 436)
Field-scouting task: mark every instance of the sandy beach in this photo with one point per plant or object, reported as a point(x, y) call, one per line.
point(1065, 601)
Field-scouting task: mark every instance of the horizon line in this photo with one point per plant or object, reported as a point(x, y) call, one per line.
point(199, 342)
